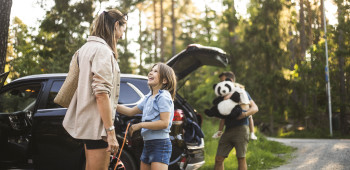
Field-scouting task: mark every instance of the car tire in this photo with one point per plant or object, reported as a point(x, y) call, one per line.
point(127, 160)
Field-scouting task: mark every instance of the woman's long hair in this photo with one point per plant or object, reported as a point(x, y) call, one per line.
point(103, 27)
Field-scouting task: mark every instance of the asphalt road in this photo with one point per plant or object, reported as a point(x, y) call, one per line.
point(318, 154)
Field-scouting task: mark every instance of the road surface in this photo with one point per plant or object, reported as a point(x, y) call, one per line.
point(317, 154)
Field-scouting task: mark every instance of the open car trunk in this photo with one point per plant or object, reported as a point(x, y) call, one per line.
point(3, 77)
point(196, 56)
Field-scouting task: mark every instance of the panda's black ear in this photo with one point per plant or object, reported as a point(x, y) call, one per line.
point(227, 79)
point(214, 86)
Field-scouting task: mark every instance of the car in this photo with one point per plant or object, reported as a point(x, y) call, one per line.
point(32, 135)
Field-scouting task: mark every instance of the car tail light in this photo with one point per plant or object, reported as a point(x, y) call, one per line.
point(178, 116)
point(182, 163)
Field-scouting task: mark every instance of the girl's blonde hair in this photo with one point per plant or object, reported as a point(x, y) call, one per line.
point(167, 73)
point(239, 85)
point(103, 27)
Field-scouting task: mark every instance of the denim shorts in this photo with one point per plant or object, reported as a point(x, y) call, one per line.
point(157, 150)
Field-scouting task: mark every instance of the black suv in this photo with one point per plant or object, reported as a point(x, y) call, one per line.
point(32, 135)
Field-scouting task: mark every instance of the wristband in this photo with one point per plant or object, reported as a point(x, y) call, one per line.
point(110, 128)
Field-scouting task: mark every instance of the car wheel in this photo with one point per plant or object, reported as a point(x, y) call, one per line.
point(127, 162)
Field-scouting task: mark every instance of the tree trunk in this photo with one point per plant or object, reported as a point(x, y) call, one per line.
point(340, 53)
point(302, 31)
point(310, 19)
point(161, 32)
point(208, 28)
point(173, 21)
point(155, 31)
point(231, 26)
point(322, 22)
point(232, 37)
point(5, 11)
point(140, 42)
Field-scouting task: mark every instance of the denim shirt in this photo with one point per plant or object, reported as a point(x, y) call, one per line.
point(151, 108)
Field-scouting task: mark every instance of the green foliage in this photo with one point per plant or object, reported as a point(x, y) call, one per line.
point(62, 32)
point(25, 57)
point(314, 133)
point(262, 51)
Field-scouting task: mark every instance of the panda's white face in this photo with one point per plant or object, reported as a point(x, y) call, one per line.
point(224, 88)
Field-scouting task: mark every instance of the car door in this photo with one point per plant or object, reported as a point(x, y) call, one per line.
point(53, 147)
point(18, 101)
point(195, 56)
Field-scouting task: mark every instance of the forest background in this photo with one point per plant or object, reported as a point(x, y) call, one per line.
point(277, 50)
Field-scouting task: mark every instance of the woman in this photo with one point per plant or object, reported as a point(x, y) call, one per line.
point(91, 113)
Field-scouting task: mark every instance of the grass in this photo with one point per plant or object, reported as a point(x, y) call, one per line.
point(262, 153)
point(312, 133)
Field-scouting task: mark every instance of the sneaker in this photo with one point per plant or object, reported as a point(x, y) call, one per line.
point(253, 137)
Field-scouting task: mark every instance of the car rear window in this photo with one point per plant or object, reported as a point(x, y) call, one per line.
point(56, 86)
point(141, 84)
point(127, 94)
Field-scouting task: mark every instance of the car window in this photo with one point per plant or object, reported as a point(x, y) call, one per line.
point(56, 86)
point(141, 84)
point(20, 98)
point(127, 94)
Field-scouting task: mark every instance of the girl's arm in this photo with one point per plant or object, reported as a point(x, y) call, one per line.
point(163, 123)
point(127, 110)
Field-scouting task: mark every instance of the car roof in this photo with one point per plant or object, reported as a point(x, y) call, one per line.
point(63, 75)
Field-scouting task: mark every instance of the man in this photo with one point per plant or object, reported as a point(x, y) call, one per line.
point(236, 133)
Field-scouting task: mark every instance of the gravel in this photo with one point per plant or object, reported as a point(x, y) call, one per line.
point(317, 154)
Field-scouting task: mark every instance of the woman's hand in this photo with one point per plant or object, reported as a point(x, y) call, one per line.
point(134, 128)
point(113, 144)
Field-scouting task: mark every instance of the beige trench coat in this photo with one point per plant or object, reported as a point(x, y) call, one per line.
point(99, 73)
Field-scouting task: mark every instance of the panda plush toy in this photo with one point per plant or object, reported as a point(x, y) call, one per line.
point(229, 108)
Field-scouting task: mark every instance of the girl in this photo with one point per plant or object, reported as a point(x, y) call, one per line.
point(157, 110)
point(90, 115)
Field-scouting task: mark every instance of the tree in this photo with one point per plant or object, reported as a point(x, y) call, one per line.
point(126, 6)
point(302, 32)
point(162, 41)
point(155, 30)
point(25, 54)
point(5, 11)
point(63, 31)
point(229, 17)
point(173, 28)
point(265, 59)
point(342, 53)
